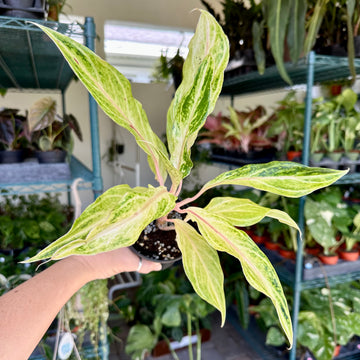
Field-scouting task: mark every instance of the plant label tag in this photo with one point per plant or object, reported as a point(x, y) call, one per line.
point(66, 346)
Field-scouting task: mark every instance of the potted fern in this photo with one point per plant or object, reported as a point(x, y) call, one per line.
point(118, 216)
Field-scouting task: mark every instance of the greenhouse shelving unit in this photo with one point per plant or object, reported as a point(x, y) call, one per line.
point(314, 69)
point(30, 62)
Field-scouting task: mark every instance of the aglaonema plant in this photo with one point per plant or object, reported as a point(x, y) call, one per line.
point(118, 216)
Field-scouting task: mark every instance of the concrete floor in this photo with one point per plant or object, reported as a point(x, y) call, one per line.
point(225, 344)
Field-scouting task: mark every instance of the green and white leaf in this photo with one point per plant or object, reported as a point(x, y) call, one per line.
point(283, 178)
point(114, 220)
point(202, 266)
point(203, 74)
point(257, 268)
point(112, 91)
point(140, 341)
point(244, 212)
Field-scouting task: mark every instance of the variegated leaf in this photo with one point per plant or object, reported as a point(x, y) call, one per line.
point(202, 266)
point(256, 266)
point(114, 220)
point(244, 212)
point(203, 75)
point(112, 91)
point(283, 178)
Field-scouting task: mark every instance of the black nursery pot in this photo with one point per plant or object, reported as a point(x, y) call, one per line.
point(10, 157)
point(158, 246)
point(51, 157)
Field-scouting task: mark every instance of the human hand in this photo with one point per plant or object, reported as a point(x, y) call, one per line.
point(113, 262)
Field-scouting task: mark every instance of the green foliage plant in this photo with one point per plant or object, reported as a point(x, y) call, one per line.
point(49, 130)
point(166, 307)
point(327, 317)
point(117, 218)
point(327, 216)
point(287, 122)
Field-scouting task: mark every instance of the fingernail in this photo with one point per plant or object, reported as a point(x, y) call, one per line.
point(157, 267)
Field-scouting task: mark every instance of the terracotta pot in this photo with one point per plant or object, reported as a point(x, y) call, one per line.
point(337, 350)
point(351, 255)
point(258, 239)
point(272, 245)
point(288, 254)
point(313, 251)
point(294, 155)
point(328, 259)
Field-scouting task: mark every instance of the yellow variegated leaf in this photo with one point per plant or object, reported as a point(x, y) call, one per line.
point(201, 265)
point(257, 268)
point(284, 178)
point(195, 98)
point(112, 91)
point(244, 212)
point(114, 220)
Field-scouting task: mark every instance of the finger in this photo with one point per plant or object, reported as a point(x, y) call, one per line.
point(148, 266)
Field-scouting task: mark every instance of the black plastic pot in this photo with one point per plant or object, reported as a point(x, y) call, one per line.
point(30, 9)
point(10, 157)
point(157, 246)
point(51, 157)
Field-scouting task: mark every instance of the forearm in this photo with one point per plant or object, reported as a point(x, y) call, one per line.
point(27, 311)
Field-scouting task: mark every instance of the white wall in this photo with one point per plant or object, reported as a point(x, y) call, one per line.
point(155, 98)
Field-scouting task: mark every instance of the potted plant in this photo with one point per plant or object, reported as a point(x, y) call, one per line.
point(325, 219)
point(14, 136)
point(351, 238)
point(118, 216)
point(50, 133)
point(167, 308)
point(288, 124)
point(328, 320)
point(241, 135)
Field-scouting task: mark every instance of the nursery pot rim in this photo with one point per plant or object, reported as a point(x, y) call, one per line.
point(330, 259)
point(164, 263)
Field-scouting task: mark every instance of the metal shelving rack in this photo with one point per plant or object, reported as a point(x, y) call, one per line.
point(29, 61)
point(308, 71)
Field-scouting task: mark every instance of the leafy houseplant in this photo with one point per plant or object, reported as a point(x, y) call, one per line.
point(288, 123)
point(51, 133)
point(14, 135)
point(117, 218)
point(327, 318)
point(166, 307)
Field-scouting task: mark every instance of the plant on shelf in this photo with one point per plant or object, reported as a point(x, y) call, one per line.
point(51, 134)
point(351, 238)
point(14, 135)
point(287, 125)
point(166, 308)
point(242, 133)
point(327, 318)
point(326, 217)
point(118, 217)
point(341, 120)
point(32, 220)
